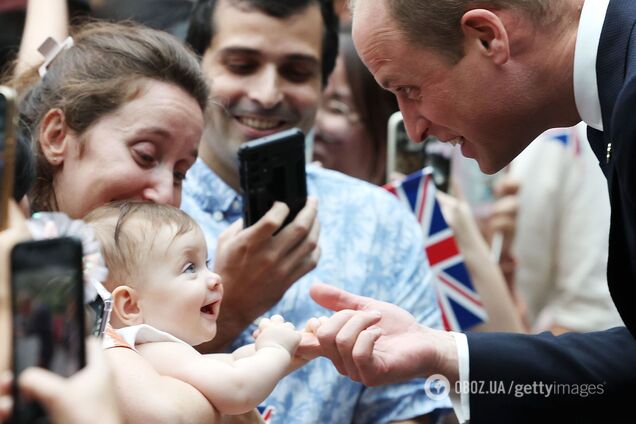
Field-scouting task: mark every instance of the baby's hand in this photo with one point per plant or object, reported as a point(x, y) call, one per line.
point(309, 347)
point(275, 332)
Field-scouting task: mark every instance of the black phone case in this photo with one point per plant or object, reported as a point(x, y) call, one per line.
point(61, 256)
point(273, 169)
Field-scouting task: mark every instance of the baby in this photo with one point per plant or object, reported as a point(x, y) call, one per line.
point(166, 300)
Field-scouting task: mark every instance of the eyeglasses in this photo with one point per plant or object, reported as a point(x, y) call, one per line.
point(339, 108)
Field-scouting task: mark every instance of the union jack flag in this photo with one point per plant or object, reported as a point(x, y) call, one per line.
point(266, 413)
point(459, 302)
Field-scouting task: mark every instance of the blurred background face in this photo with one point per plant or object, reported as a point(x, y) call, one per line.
point(141, 151)
point(266, 71)
point(342, 141)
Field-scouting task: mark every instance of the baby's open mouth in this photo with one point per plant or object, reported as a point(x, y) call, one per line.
point(208, 309)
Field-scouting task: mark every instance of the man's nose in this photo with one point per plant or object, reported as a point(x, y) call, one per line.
point(267, 88)
point(417, 127)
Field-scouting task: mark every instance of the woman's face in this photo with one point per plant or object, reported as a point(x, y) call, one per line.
point(139, 152)
point(342, 142)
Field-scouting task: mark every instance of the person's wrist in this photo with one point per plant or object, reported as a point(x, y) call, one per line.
point(446, 362)
point(276, 347)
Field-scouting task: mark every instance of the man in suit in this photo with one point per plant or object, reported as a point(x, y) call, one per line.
point(490, 76)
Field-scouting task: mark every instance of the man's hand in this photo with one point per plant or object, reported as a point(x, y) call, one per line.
point(258, 267)
point(379, 343)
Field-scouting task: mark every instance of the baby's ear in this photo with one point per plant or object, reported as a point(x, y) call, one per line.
point(126, 307)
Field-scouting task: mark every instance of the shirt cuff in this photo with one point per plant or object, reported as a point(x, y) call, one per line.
point(460, 400)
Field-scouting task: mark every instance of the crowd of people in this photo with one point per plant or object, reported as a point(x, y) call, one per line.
point(133, 124)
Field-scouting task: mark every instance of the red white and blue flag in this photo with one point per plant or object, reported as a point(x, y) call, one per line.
point(459, 302)
point(266, 413)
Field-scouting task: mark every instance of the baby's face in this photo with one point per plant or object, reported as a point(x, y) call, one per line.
point(179, 294)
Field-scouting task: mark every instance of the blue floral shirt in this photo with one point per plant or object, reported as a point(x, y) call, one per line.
point(370, 245)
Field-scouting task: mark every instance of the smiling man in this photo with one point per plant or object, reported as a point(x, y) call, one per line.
point(491, 75)
point(268, 61)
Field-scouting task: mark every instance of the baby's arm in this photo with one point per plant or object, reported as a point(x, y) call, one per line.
point(234, 386)
point(145, 396)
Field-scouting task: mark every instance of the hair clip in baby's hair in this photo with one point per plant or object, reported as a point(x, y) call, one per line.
point(50, 49)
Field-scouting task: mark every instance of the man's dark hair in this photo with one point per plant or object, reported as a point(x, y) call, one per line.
point(201, 28)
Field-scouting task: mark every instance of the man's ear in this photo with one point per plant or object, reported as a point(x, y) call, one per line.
point(53, 137)
point(126, 307)
point(485, 30)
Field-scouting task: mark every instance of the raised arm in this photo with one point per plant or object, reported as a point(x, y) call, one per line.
point(44, 18)
point(484, 272)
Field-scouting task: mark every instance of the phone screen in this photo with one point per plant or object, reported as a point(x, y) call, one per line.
point(273, 169)
point(404, 156)
point(48, 313)
point(7, 150)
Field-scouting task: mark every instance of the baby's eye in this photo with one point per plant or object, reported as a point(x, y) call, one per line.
point(189, 268)
point(208, 264)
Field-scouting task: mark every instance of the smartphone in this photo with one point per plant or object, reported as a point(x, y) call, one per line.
point(272, 169)
point(404, 156)
point(8, 116)
point(49, 330)
point(98, 308)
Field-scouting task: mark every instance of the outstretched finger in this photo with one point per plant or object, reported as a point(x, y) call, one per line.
point(336, 299)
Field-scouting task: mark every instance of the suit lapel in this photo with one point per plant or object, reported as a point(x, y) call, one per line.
point(611, 64)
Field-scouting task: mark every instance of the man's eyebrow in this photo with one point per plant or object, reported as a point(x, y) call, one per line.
point(239, 50)
point(303, 58)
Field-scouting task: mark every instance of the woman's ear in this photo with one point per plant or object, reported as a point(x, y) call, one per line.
point(126, 307)
point(485, 30)
point(53, 137)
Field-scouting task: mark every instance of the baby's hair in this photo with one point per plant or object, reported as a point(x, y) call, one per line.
point(124, 246)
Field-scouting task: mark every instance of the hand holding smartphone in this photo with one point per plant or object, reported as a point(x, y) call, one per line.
point(404, 156)
point(272, 169)
point(47, 313)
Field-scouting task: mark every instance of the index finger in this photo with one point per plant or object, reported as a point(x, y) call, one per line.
point(336, 299)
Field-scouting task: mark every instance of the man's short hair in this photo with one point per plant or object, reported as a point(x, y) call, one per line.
point(435, 24)
point(123, 246)
point(201, 30)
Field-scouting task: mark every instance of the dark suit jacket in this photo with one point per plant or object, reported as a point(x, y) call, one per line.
point(603, 361)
